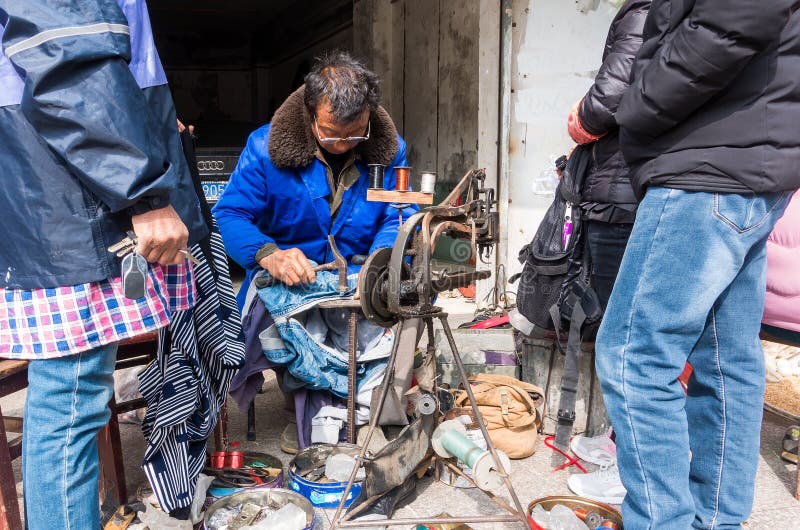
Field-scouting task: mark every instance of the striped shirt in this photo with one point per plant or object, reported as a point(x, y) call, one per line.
point(49, 323)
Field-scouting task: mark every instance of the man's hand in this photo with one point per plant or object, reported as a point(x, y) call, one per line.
point(182, 127)
point(289, 266)
point(160, 236)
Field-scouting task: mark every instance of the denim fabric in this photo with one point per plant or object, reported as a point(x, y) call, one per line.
point(306, 341)
point(606, 247)
point(66, 406)
point(690, 287)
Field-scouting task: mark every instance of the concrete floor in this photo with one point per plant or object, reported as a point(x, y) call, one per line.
point(775, 507)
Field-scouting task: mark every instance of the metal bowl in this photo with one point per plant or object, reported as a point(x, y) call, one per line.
point(271, 498)
point(572, 502)
point(321, 494)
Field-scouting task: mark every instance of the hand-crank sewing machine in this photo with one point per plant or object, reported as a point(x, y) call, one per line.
point(392, 288)
point(398, 284)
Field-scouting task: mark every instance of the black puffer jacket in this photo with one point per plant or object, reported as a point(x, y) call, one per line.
point(608, 181)
point(715, 101)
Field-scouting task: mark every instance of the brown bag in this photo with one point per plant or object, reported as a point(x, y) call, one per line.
point(509, 410)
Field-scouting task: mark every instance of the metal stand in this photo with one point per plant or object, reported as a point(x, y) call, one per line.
point(354, 307)
point(517, 513)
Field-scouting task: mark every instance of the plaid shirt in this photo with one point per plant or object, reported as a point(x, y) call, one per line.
point(48, 323)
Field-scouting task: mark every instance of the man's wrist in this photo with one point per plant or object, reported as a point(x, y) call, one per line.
point(148, 204)
point(266, 251)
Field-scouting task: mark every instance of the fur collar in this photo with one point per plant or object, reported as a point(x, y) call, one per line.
point(292, 144)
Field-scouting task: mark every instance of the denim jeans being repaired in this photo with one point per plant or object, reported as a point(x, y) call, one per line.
point(313, 343)
point(66, 406)
point(690, 287)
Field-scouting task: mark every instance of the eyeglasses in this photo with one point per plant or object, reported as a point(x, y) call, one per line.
point(353, 139)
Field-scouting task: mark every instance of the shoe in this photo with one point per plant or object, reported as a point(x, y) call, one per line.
point(790, 442)
point(289, 441)
point(598, 450)
point(603, 485)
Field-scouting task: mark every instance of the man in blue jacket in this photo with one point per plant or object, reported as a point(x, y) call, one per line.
point(90, 149)
point(304, 176)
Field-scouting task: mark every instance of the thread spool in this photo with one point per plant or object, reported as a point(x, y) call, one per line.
point(403, 176)
point(376, 176)
point(428, 182)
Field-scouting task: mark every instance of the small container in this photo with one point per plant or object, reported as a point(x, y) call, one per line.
point(254, 460)
point(322, 494)
point(376, 174)
point(608, 512)
point(217, 460)
point(234, 459)
point(403, 175)
point(270, 498)
point(428, 182)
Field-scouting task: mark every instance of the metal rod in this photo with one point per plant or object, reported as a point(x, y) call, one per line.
point(479, 419)
point(373, 423)
point(504, 133)
point(351, 378)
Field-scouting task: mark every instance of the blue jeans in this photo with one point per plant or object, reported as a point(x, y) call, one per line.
point(690, 287)
point(66, 406)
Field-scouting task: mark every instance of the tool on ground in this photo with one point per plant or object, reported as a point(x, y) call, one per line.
point(450, 441)
point(397, 285)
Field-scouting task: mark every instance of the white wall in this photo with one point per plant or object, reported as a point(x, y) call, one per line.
point(557, 48)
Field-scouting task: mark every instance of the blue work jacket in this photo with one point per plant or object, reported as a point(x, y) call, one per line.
point(266, 202)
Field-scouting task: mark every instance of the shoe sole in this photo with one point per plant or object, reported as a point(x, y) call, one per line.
point(597, 498)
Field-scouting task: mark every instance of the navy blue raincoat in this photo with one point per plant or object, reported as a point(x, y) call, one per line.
point(86, 139)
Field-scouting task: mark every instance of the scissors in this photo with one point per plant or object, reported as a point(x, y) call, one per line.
point(239, 478)
point(242, 478)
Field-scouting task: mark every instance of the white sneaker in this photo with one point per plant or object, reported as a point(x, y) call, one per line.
point(600, 450)
point(603, 485)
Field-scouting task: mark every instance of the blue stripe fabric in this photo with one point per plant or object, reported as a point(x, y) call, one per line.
point(11, 83)
point(186, 386)
point(145, 63)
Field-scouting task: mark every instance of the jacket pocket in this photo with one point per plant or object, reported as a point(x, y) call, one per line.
point(743, 213)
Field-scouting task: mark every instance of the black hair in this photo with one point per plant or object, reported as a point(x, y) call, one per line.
point(345, 83)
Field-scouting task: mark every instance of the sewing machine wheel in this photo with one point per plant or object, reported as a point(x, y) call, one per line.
point(372, 282)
